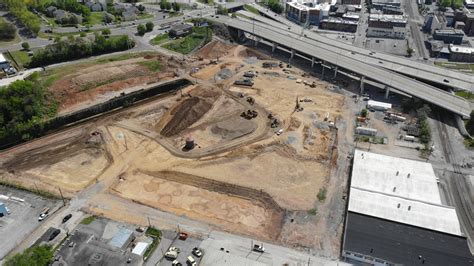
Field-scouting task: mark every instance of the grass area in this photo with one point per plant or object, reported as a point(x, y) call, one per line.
point(95, 18)
point(52, 22)
point(61, 35)
point(241, 15)
point(456, 66)
point(152, 65)
point(209, 2)
point(156, 235)
point(145, 16)
point(121, 57)
point(312, 211)
point(322, 194)
point(18, 186)
point(88, 220)
point(21, 58)
point(159, 39)
point(252, 9)
point(187, 44)
point(466, 95)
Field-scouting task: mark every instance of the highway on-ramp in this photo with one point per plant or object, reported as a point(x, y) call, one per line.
point(401, 65)
point(343, 58)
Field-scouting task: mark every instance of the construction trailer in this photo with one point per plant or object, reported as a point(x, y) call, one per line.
point(366, 131)
point(379, 106)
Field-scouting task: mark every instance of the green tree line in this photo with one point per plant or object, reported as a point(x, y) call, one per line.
point(33, 256)
point(76, 48)
point(23, 106)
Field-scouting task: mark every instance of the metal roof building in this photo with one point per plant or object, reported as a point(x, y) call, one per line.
point(395, 215)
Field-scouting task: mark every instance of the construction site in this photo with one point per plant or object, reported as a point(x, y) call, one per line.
point(251, 147)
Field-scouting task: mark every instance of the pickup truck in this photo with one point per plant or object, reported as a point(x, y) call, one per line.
point(258, 248)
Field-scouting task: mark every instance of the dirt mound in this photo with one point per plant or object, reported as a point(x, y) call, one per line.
point(189, 111)
point(233, 128)
point(215, 49)
point(252, 53)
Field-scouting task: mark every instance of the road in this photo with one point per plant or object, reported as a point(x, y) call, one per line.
point(401, 65)
point(345, 60)
point(413, 18)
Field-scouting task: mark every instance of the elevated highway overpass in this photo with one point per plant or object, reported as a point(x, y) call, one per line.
point(409, 67)
point(343, 59)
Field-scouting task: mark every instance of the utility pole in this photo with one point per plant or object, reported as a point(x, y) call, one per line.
point(149, 223)
point(37, 190)
point(60, 192)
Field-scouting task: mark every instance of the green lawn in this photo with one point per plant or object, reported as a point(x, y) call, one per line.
point(152, 65)
point(456, 66)
point(88, 220)
point(252, 9)
point(20, 57)
point(144, 16)
point(187, 44)
point(466, 95)
point(159, 39)
point(95, 18)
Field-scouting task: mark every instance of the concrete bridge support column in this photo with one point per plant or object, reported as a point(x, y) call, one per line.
point(322, 75)
point(256, 40)
point(274, 46)
point(362, 85)
point(387, 91)
point(292, 54)
point(335, 72)
point(312, 62)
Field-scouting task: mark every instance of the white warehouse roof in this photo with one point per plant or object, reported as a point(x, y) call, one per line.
point(377, 190)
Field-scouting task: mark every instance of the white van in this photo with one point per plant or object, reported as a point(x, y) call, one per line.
point(191, 261)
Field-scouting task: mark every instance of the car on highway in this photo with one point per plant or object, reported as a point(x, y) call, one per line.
point(197, 252)
point(67, 217)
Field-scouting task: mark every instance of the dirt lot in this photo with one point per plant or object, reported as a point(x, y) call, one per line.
point(240, 177)
point(73, 87)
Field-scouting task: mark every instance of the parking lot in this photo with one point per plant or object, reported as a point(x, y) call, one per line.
point(24, 208)
point(386, 45)
point(185, 247)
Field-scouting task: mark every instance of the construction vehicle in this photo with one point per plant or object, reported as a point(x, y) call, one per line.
point(258, 248)
point(250, 100)
point(244, 82)
point(249, 74)
point(249, 114)
point(275, 123)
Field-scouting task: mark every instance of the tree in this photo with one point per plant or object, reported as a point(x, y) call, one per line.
point(141, 29)
point(25, 45)
point(7, 31)
point(275, 6)
point(221, 10)
point(106, 32)
point(410, 51)
point(82, 34)
point(149, 26)
point(141, 8)
point(363, 113)
point(470, 124)
point(163, 4)
point(33, 256)
point(176, 6)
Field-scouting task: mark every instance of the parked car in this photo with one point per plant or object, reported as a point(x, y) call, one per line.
point(67, 217)
point(191, 261)
point(54, 234)
point(258, 248)
point(176, 263)
point(197, 252)
point(43, 216)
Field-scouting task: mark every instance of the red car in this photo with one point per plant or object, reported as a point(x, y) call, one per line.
point(183, 236)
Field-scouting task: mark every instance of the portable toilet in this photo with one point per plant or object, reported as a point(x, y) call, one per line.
point(3, 209)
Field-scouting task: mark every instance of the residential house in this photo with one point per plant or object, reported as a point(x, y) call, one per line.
point(50, 11)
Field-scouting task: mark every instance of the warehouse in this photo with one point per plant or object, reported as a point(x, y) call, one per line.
point(395, 215)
